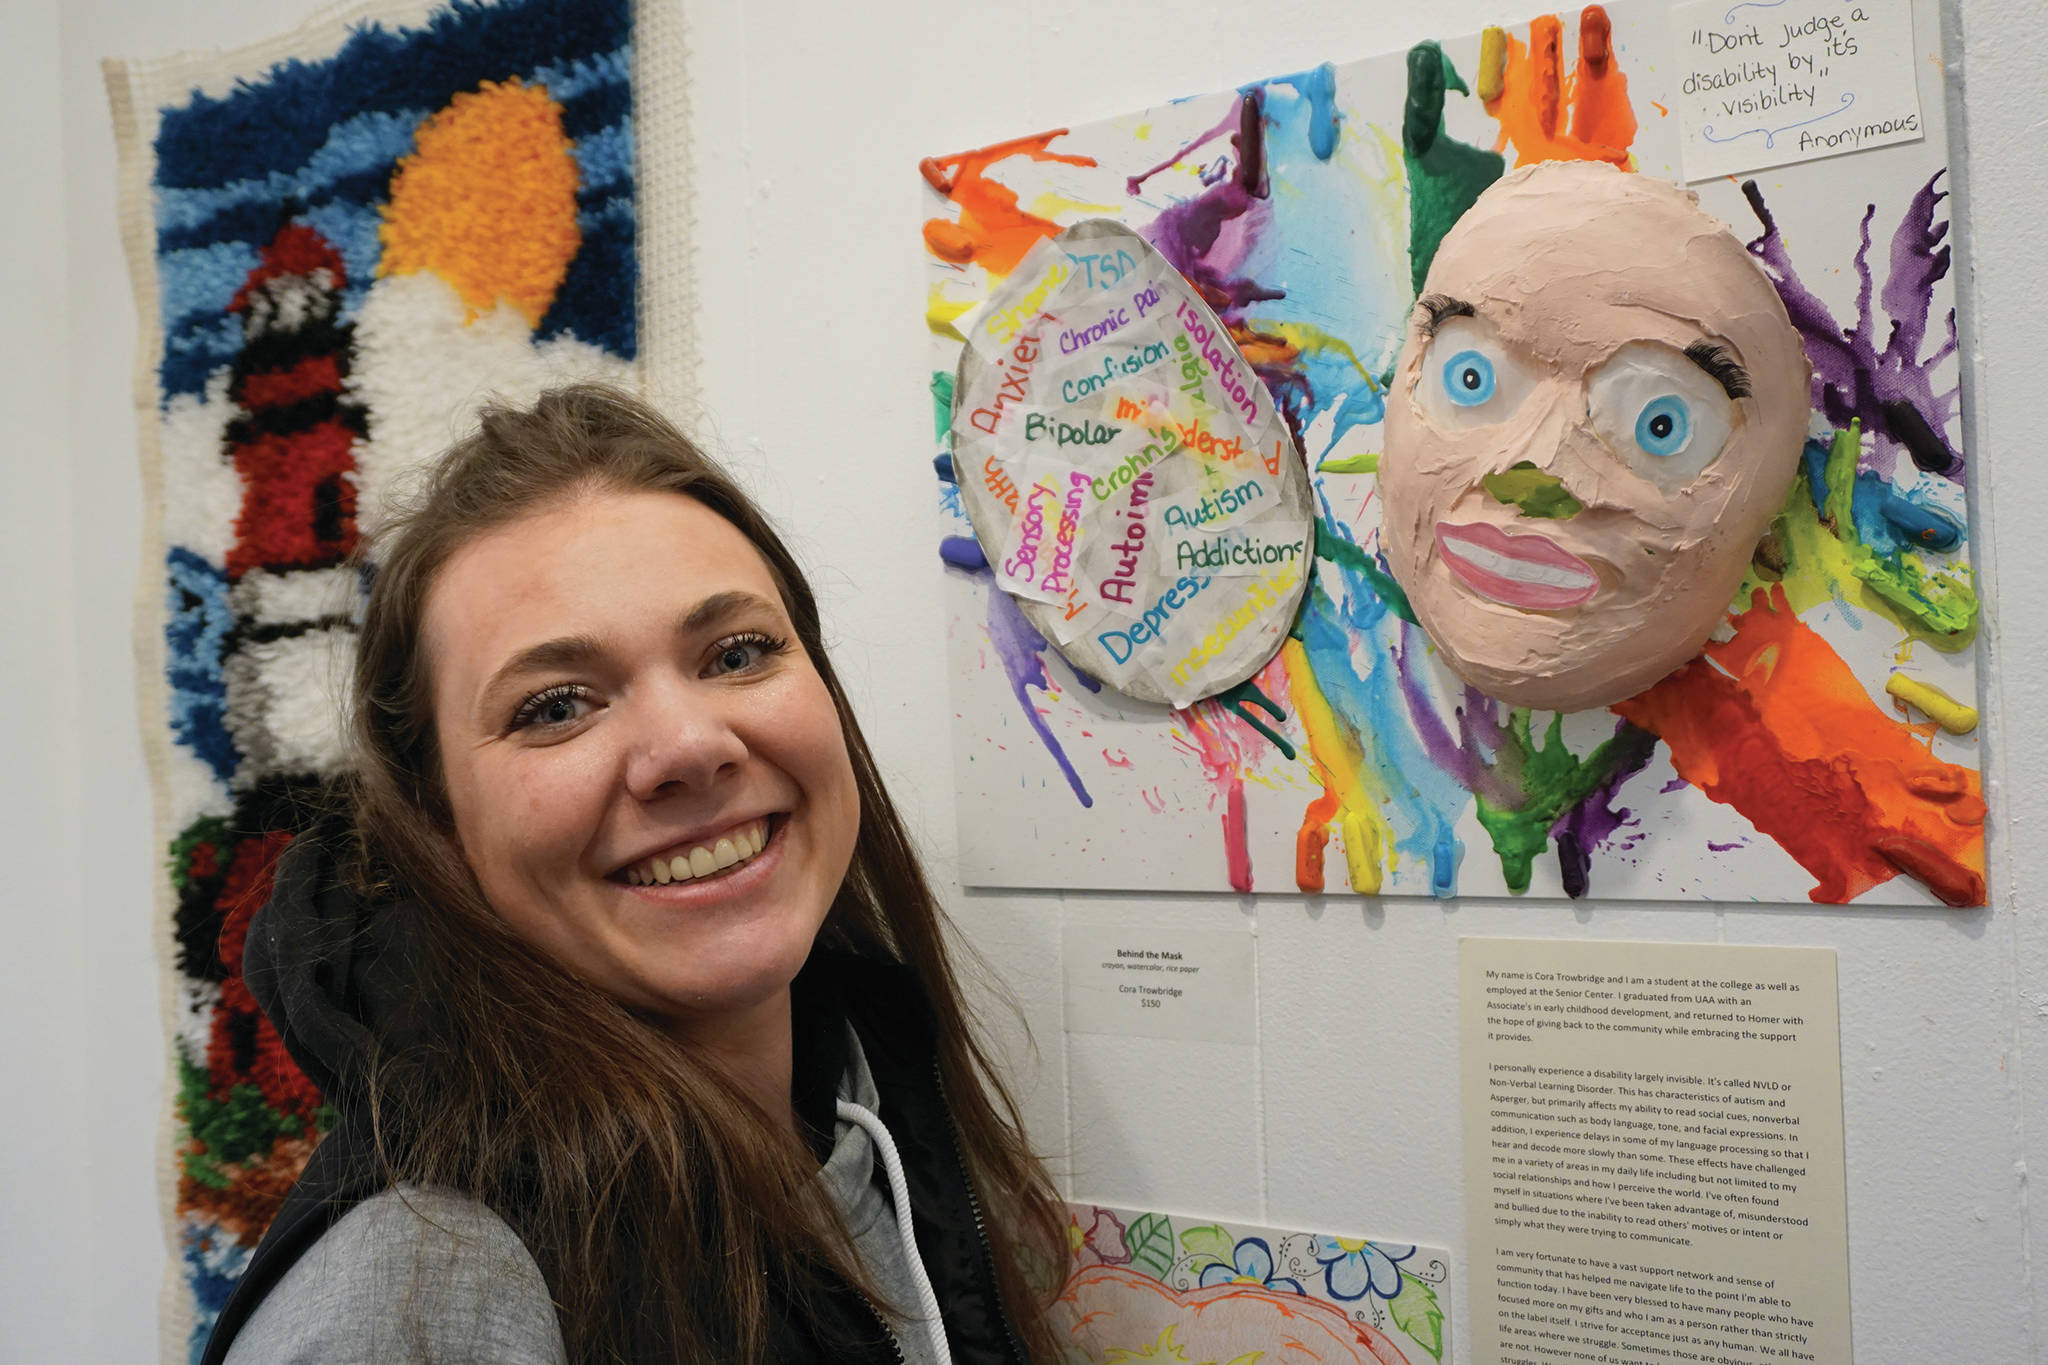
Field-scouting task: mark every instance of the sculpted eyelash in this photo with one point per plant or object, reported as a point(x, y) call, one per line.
point(1441, 309)
point(1716, 361)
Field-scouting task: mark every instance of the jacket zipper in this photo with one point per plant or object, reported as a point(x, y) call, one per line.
point(988, 1255)
point(888, 1332)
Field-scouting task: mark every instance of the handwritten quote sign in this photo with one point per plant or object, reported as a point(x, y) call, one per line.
point(1774, 82)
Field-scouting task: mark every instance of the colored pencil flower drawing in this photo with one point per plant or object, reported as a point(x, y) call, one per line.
point(1305, 209)
point(1219, 1292)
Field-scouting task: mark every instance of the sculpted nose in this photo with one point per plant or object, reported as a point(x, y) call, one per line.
point(1532, 491)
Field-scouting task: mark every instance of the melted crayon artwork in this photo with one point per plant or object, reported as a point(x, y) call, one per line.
point(1823, 744)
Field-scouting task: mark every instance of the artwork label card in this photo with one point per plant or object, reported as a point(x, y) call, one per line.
point(1653, 1152)
point(1771, 86)
point(1158, 982)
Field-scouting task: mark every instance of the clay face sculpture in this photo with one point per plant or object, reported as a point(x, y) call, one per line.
point(1597, 413)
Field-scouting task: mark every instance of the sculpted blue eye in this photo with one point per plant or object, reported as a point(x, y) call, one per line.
point(1664, 426)
point(1468, 379)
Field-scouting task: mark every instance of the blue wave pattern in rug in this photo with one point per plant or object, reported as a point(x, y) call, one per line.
point(350, 250)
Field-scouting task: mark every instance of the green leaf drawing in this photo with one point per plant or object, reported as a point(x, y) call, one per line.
point(1151, 1242)
point(1415, 1312)
point(1207, 1246)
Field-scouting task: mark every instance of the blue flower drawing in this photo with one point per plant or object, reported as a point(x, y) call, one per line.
point(1251, 1263)
point(1354, 1268)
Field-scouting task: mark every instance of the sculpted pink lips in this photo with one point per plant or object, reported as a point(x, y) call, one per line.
point(1532, 572)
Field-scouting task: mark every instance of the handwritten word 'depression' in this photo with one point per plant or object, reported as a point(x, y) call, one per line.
point(1233, 381)
point(1041, 426)
point(1120, 645)
point(1008, 322)
point(1259, 599)
point(1130, 550)
point(1015, 372)
point(1214, 507)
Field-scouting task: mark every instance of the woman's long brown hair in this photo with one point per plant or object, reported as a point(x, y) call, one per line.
point(659, 1202)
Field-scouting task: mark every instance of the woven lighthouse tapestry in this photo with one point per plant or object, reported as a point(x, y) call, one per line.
point(343, 239)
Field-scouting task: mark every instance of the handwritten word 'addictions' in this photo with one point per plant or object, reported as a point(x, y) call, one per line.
point(1259, 599)
point(1223, 552)
point(1135, 361)
point(1117, 587)
point(1214, 507)
point(1008, 322)
point(1228, 377)
point(1016, 374)
point(1121, 644)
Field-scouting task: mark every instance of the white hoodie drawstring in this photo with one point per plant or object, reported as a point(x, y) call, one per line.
point(899, 1193)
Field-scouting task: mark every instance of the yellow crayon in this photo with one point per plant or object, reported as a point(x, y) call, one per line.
point(1493, 63)
point(1950, 714)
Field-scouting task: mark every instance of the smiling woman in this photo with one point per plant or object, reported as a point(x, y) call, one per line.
point(619, 969)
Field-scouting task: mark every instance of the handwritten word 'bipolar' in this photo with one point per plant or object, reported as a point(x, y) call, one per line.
point(1038, 425)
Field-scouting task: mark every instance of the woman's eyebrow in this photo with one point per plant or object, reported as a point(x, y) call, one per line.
point(1716, 361)
point(1441, 309)
point(721, 605)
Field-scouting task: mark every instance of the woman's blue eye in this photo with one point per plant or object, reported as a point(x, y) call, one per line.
point(1664, 426)
point(1468, 379)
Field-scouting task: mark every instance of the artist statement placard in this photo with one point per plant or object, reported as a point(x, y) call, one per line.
point(1197, 985)
point(1653, 1152)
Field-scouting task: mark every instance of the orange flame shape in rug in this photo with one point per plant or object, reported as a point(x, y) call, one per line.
point(1774, 724)
point(488, 200)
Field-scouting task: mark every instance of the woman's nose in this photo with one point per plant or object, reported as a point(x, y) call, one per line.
point(683, 738)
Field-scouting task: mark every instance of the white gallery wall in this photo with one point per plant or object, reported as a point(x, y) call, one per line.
point(809, 122)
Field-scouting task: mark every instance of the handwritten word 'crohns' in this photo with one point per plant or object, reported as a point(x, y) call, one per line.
point(1007, 322)
point(1259, 599)
point(1016, 374)
point(1232, 381)
point(1106, 486)
point(1224, 502)
point(1121, 644)
point(1130, 550)
point(1040, 426)
point(1135, 361)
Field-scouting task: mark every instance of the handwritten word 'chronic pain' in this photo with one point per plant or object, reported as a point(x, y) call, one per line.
point(1116, 319)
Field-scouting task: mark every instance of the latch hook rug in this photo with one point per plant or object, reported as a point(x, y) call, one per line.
point(342, 239)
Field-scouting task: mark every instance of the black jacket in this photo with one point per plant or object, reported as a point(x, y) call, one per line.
point(333, 976)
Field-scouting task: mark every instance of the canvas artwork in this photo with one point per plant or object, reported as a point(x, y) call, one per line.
point(1154, 1286)
point(342, 239)
point(1638, 554)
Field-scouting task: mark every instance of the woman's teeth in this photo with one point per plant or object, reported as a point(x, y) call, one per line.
point(728, 851)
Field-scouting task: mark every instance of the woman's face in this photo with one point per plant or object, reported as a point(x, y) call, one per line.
point(647, 775)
